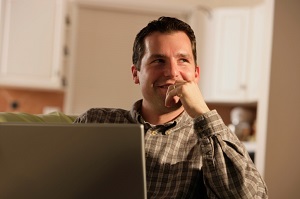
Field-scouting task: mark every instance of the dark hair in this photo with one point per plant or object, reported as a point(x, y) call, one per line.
point(163, 25)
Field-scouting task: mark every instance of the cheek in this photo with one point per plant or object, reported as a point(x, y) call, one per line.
point(189, 75)
point(143, 79)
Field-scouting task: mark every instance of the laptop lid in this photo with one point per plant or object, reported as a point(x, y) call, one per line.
point(72, 161)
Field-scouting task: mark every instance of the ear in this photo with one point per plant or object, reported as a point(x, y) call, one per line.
point(197, 73)
point(135, 76)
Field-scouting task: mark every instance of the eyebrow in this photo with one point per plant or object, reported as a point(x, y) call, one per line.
point(158, 56)
point(183, 55)
point(164, 56)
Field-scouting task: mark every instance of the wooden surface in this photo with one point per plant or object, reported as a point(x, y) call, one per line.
point(29, 101)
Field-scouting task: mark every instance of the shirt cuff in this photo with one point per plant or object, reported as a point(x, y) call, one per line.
point(209, 124)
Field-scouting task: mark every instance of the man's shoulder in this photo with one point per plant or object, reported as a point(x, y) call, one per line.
point(105, 115)
point(106, 110)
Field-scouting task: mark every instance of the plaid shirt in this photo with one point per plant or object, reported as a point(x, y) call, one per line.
point(190, 158)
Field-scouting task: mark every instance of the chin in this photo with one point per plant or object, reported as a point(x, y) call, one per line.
point(175, 107)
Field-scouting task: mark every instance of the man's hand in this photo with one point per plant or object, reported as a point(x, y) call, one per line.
point(189, 94)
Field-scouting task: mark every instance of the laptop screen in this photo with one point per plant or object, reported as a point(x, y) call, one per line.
point(72, 161)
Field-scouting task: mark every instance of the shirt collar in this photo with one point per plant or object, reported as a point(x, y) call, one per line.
point(179, 121)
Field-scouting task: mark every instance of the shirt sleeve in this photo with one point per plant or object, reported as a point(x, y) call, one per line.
point(81, 118)
point(227, 168)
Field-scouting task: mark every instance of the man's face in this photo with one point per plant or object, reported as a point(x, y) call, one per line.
point(168, 57)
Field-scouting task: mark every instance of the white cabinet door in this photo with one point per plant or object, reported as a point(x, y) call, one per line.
point(31, 43)
point(225, 55)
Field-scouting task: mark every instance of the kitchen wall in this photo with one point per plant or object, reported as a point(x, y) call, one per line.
point(282, 164)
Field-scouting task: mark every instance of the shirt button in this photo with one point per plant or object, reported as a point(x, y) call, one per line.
point(153, 133)
point(168, 132)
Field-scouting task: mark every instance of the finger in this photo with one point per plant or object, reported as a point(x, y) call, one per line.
point(171, 87)
point(173, 90)
point(180, 83)
point(172, 96)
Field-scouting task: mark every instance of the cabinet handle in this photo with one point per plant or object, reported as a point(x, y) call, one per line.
point(63, 81)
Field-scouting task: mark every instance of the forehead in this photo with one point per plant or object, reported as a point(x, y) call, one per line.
point(164, 35)
point(167, 41)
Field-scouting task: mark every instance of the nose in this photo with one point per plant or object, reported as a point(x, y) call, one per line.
point(171, 69)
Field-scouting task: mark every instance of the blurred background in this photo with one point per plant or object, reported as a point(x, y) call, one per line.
point(71, 55)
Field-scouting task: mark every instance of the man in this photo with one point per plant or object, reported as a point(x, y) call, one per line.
point(190, 153)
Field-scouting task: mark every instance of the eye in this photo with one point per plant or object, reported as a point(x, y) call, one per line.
point(158, 61)
point(184, 60)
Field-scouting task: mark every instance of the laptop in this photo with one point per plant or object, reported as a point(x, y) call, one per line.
point(72, 161)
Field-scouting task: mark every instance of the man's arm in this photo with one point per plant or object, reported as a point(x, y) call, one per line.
point(227, 168)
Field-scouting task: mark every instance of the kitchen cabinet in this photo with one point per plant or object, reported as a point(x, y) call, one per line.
point(233, 53)
point(229, 54)
point(31, 43)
